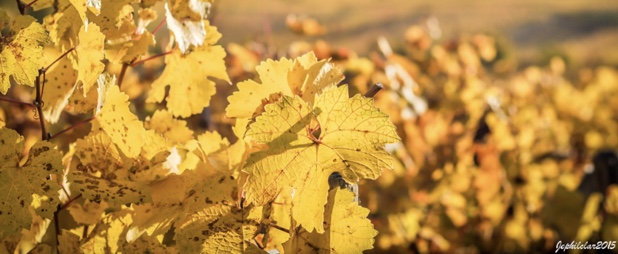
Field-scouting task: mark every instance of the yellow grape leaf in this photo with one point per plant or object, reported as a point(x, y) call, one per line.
point(30, 239)
point(82, 5)
point(309, 76)
point(280, 215)
point(305, 77)
point(21, 50)
point(112, 191)
point(187, 76)
point(89, 55)
point(68, 242)
point(26, 184)
point(130, 50)
point(212, 150)
point(347, 228)
point(351, 141)
point(193, 191)
point(90, 103)
point(59, 86)
point(109, 235)
point(64, 25)
point(89, 213)
point(115, 20)
point(164, 123)
point(102, 172)
point(97, 154)
point(122, 126)
point(147, 244)
point(225, 229)
point(184, 19)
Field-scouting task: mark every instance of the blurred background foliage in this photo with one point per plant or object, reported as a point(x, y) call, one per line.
point(508, 111)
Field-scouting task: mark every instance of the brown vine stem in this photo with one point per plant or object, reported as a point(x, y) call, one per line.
point(123, 71)
point(373, 90)
point(65, 205)
point(17, 102)
point(56, 222)
point(159, 25)
point(38, 103)
point(29, 5)
point(150, 58)
point(58, 59)
point(279, 227)
point(72, 127)
point(21, 6)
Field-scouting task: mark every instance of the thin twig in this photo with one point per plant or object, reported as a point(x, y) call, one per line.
point(279, 227)
point(73, 127)
point(85, 232)
point(21, 7)
point(65, 205)
point(58, 59)
point(159, 25)
point(57, 227)
point(17, 102)
point(374, 90)
point(29, 5)
point(123, 71)
point(150, 58)
point(38, 103)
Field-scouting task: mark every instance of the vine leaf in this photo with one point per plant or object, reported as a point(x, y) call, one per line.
point(64, 25)
point(347, 228)
point(227, 229)
point(83, 5)
point(351, 141)
point(131, 49)
point(21, 50)
point(89, 56)
point(28, 184)
point(122, 126)
point(193, 191)
point(101, 172)
point(68, 242)
point(115, 20)
point(184, 19)
point(60, 80)
point(175, 130)
point(187, 76)
point(109, 235)
point(304, 76)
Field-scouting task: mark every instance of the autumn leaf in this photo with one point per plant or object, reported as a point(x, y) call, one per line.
point(21, 49)
point(115, 19)
point(193, 191)
point(26, 184)
point(147, 244)
point(62, 27)
point(299, 157)
point(101, 172)
point(109, 236)
point(164, 123)
point(89, 56)
point(347, 228)
point(83, 5)
point(122, 126)
point(130, 50)
point(303, 76)
point(185, 20)
point(190, 91)
point(223, 230)
point(60, 80)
